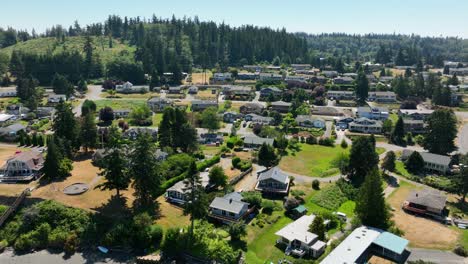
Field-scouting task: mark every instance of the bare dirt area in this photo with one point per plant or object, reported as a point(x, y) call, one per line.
point(200, 78)
point(226, 164)
point(421, 232)
point(83, 172)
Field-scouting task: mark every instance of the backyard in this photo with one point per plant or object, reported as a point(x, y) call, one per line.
point(313, 160)
point(120, 103)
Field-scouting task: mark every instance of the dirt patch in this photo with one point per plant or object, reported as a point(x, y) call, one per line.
point(200, 78)
point(421, 232)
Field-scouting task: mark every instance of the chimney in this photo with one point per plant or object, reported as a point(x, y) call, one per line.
point(230, 200)
point(416, 194)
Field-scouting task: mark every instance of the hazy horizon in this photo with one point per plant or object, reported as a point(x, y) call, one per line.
point(424, 18)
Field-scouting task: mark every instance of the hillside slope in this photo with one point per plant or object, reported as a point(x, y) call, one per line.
point(54, 46)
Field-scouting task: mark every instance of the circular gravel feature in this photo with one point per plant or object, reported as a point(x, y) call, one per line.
point(76, 188)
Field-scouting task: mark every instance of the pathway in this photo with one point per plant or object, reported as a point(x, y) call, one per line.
point(328, 129)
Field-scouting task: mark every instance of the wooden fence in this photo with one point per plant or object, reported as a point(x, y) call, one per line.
point(13, 207)
point(240, 177)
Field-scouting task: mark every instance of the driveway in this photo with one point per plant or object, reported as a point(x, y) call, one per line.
point(44, 256)
point(328, 129)
point(250, 180)
point(93, 94)
point(436, 256)
point(463, 139)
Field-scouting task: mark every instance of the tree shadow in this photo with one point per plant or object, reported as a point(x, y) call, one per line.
point(238, 244)
point(115, 207)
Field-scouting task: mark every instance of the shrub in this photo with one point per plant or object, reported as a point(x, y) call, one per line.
point(344, 144)
point(311, 140)
point(235, 161)
point(291, 203)
point(208, 163)
point(461, 251)
point(71, 244)
point(326, 142)
point(3, 245)
point(316, 185)
point(253, 198)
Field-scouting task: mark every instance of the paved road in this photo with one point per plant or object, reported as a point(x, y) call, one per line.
point(463, 139)
point(436, 256)
point(94, 93)
point(328, 129)
point(46, 257)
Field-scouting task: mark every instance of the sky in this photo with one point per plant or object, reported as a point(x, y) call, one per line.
point(422, 17)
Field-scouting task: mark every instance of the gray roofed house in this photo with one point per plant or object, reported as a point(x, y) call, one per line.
point(200, 105)
point(309, 121)
point(267, 91)
point(428, 201)
point(23, 166)
point(375, 113)
point(240, 92)
point(56, 98)
point(341, 95)
point(384, 97)
point(175, 90)
point(193, 90)
point(10, 132)
point(256, 142)
point(157, 104)
point(177, 193)
point(229, 208)
point(415, 114)
point(45, 111)
point(249, 108)
point(273, 181)
point(365, 125)
point(257, 119)
point(281, 106)
point(133, 132)
point(432, 162)
point(8, 92)
point(343, 80)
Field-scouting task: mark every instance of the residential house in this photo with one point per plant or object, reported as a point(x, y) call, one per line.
point(415, 114)
point(7, 92)
point(255, 68)
point(230, 117)
point(4, 118)
point(309, 121)
point(273, 68)
point(451, 64)
point(386, 79)
point(414, 126)
point(270, 91)
point(23, 166)
point(221, 77)
point(343, 80)
point(273, 181)
point(459, 71)
point(254, 142)
point(299, 240)
point(45, 112)
point(341, 95)
point(330, 74)
point(382, 97)
point(56, 98)
point(343, 123)
point(229, 208)
point(326, 111)
point(237, 92)
point(200, 105)
point(351, 74)
point(210, 139)
point(365, 242)
point(250, 108)
point(246, 76)
point(10, 133)
point(178, 192)
point(432, 162)
point(193, 90)
point(426, 202)
point(319, 79)
point(121, 113)
point(258, 119)
point(375, 113)
point(371, 78)
point(129, 88)
point(281, 106)
point(133, 132)
point(270, 77)
point(372, 66)
point(299, 67)
point(175, 90)
point(16, 109)
point(157, 104)
point(365, 125)
point(296, 78)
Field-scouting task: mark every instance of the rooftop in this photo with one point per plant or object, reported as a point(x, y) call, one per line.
point(299, 230)
point(428, 198)
point(274, 173)
point(391, 242)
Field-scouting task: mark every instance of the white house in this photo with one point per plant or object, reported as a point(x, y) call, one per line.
point(229, 208)
point(309, 121)
point(177, 193)
point(365, 125)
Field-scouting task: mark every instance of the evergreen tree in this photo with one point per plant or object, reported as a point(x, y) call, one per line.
point(362, 87)
point(115, 170)
point(441, 132)
point(461, 179)
point(82, 85)
point(67, 127)
point(362, 159)
point(453, 80)
point(164, 130)
point(144, 169)
point(209, 119)
point(56, 166)
point(88, 106)
point(88, 131)
point(17, 67)
point(318, 227)
point(370, 207)
point(415, 163)
point(88, 50)
point(267, 156)
point(217, 176)
point(398, 133)
point(389, 161)
point(61, 85)
point(197, 203)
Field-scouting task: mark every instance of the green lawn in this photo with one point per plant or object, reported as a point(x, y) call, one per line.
point(347, 208)
point(312, 160)
point(157, 119)
point(394, 118)
point(400, 169)
point(120, 103)
point(380, 150)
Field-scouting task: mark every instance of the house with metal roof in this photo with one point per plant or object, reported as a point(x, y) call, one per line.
point(273, 181)
point(365, 242)
point(11, 132)
point(415, 114)
point(309, 121)
point(157, 104)
point(383, 97)
point(229, 208)
point(250, 108)
point(432, 162)
point(178, 193)
point(258, 119)
point(254, 142)
point(365, 125)
point(299, 240)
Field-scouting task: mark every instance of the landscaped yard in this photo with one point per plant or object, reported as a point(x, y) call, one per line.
point(400, 169)
point(120, 103)
point(313, 160)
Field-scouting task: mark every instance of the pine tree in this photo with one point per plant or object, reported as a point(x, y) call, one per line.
point(441, 132)
point(196, 201)
point(362, 87)
point(267, 156)
point(362, 159)
point(415, 163)
point(56, 166)
point(115, 170)
point(165, 128)
point(89, 131)
point(318, 227)
point(88, 50)
point(370, 207)
point(389, 161)
point(398, 133)
point(67, 127)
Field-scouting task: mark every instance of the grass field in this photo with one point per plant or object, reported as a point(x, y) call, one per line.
point(54, 46)
point(400, 169)
point(131, 96)
point(120, 103)
point(312, 160)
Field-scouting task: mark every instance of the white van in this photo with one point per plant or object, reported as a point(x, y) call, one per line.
point(342, 216)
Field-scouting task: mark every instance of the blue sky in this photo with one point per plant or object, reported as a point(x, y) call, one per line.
point(423, 17)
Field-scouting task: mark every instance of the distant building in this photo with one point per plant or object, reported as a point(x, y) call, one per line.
point(341, 95)
point(383, 97)
point(229, 208)
point(365, 125)
point(121, 113)
point(238, 93)
point(415, 114)
point(175, 90)
point(56, 98)
point(10, 132)
point(246, 76)
point(157, 104)
point(330, 74)
point(8, 92)
point(258, 119)
point(281, 106)
point(343, 80)
point(193, 90)
point(299, 67)
point(459, 71)
point(200, 105)
point(309, 121)
point(414, 126)
point(129, 88)
point(296, 78)
point(270, 77)
point(210, 139)
point(250, 108)
point(222, 77)
point(23, 166)
point(230, 117)
point(270, 91)
point(134, 132)
point(254, 142)
point(375, 113)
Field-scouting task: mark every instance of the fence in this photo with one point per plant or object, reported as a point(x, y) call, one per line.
point(13, 207)
point(239, 177)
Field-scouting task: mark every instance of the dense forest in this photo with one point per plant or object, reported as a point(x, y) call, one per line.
point(156, 46)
